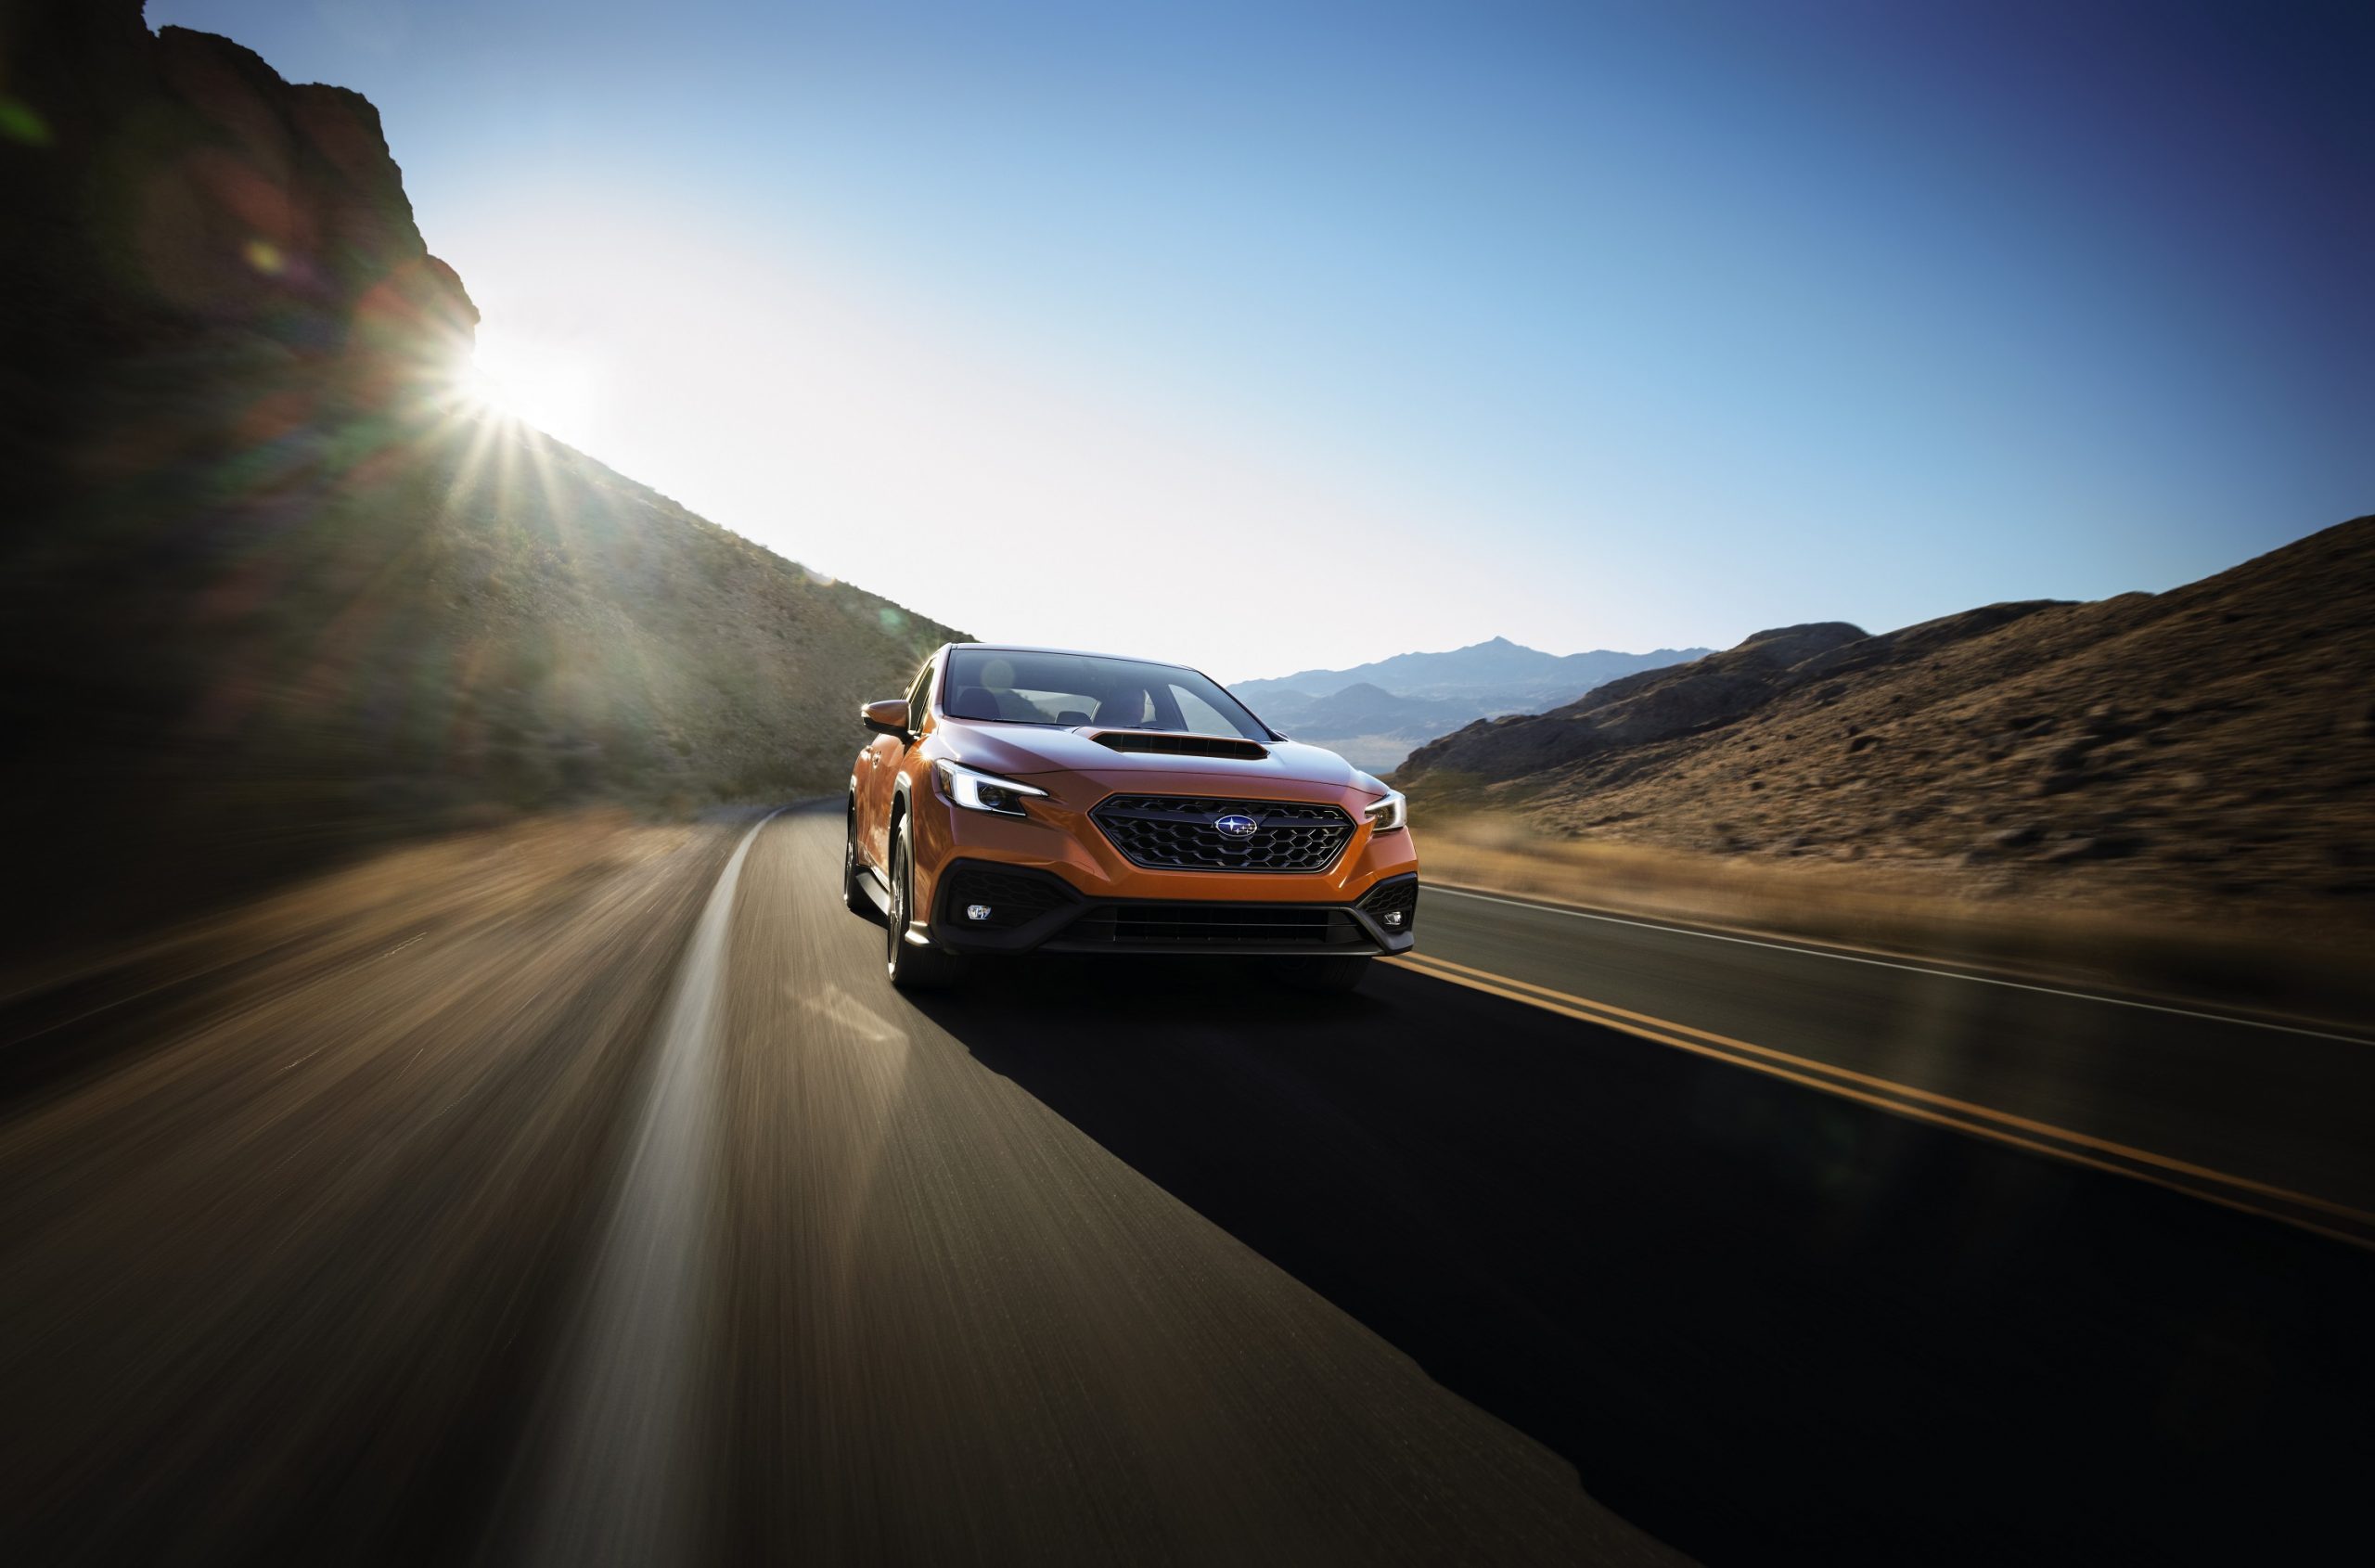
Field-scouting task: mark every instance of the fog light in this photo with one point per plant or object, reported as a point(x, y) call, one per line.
point(1394, 917)
point(977, 911)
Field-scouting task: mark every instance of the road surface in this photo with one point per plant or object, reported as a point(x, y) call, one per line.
point(613, 1208)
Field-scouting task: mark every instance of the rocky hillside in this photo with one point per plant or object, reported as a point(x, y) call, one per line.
point(2211, 747)
point(269, 588)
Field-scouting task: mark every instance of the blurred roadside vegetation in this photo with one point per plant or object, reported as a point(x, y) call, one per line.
point(1916, 909)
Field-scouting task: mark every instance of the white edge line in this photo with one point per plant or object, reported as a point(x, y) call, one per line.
point(610, 1483)
point(1813, 952)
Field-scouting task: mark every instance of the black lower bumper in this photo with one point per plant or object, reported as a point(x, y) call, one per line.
point(982, 907)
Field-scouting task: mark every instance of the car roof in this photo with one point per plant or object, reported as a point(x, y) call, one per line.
point(1079, 652)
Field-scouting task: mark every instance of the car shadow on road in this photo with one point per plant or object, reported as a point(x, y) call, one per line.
point(1763, 1322)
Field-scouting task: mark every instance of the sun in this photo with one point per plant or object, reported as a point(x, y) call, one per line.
point(482, 391)
point(555, 386)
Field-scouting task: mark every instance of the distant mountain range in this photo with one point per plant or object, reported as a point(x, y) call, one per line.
point(1376, 714)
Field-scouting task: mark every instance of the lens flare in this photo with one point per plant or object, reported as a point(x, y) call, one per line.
point(480, 390)
point(546, 385)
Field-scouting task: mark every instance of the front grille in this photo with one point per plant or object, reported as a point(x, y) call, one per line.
point(1212, 925)
point(1180, 745)
point(1401, 895)
point(1176, 833)
point(1012, 899)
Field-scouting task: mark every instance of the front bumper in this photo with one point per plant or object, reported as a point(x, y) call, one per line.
point(1032, 910)
point(1059, 834)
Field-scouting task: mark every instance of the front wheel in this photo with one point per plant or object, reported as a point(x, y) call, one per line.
point(1332, 975)
point(911, 968)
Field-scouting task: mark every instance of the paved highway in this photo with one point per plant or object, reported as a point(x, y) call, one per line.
point(621, 1213)
point(2269, 1114)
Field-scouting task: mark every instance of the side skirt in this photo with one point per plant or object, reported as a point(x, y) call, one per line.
point(870, 882)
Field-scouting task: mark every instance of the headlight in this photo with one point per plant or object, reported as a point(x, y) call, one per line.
point(1390, 814)
point(982, 792)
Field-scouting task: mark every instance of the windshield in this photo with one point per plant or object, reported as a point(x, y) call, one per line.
point(1082, 689)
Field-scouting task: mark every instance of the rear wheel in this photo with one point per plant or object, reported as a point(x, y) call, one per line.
point(911, 968)
point(1332, 975)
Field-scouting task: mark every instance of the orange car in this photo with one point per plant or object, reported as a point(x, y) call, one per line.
point(1020, 799)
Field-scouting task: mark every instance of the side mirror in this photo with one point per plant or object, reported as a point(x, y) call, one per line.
point(886, 718)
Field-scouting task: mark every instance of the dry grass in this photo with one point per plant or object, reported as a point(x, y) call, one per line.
point(1917, 910)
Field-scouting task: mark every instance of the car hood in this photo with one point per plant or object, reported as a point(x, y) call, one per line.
point(1022, 749)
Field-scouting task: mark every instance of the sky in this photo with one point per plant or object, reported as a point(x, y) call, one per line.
point(1272, 335)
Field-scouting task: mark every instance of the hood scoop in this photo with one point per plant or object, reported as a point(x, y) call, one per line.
point(1179, 745)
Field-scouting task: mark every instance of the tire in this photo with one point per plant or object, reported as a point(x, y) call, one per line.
point(911, 968)
point(852, 891)
point(1332, 976)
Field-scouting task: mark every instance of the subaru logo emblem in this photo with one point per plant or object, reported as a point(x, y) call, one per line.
point(1236, 827)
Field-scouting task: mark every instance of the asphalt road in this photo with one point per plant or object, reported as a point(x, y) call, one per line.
point(2277, 1114)
point(619, 1211)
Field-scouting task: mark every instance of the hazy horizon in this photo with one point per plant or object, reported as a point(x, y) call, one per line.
point(1607, 326)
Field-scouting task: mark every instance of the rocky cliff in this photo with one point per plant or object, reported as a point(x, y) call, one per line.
point(174, 185)
point(267, 588)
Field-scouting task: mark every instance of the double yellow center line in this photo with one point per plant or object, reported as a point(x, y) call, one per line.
point(2338, 1221)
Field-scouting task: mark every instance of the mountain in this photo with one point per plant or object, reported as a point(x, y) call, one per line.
point(1505, 676)
point(2208, 749)
point(1376, 713)
point(270, 590)
point(1368, 725)
point(1365, 707)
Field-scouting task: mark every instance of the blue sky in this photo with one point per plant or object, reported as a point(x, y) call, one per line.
point(1275, 336)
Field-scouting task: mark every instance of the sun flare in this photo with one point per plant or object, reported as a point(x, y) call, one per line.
point(541, 384)
point(480, 390)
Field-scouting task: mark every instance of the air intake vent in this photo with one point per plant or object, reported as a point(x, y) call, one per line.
point(1214, 925)
point(1179, 745)
point(1013, 899)
point(1399, 896)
